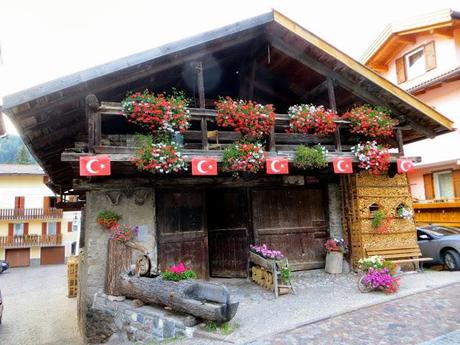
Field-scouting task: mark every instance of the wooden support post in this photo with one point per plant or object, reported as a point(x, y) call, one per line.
point(272, 139)
point(399, 140)
point(333, 105)
point(91, 109)
point(204, 121)
point(252, 78)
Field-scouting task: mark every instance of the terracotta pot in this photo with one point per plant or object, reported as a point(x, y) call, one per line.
point(334, 262)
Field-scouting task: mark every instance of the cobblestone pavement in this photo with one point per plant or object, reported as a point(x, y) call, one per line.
point(37, 311)
point(428, 318)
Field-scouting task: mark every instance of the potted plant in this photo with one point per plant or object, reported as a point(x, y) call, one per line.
point(251, 119)
point(310, 157)
point(335, 249)
point(108, 219)
point(167, 113)
point(372, 157)
point(370, 121)
point(244, 157)
point(178, 272)
point(124, 233)
point(379, 274)
point(404, 212)
point(159, 158)
point(310, 119)
point(380, 221)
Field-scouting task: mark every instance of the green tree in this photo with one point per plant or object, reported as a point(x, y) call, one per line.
point(23, 156)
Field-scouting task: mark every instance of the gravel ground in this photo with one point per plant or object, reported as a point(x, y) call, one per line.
point(37, 311)
point(319, 295)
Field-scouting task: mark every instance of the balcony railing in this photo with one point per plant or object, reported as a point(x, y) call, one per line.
point(439, 211)
point(29, 213)
point(30, 241)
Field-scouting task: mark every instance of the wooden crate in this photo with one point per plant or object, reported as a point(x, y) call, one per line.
point(72, 277)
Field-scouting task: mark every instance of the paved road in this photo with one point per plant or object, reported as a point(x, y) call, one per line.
point(37, 311)
point(428, 318)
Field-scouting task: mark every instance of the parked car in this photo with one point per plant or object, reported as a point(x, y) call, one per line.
point(3, 266)
point(448, 229)
point(1, 307)
point(441, 245)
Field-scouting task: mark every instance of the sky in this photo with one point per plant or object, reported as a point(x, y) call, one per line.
point(46, 39)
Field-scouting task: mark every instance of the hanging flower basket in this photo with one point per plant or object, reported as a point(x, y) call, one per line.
point(371, 122)
point(310, 119)
point(157, 111)
point(381, 221)
point(244, 157)
point(108, 219)
point(372, 157)
point(160, 158)
point(251, 119)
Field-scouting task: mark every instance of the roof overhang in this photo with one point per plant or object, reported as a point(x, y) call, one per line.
point(50, 117)
point(395, 37)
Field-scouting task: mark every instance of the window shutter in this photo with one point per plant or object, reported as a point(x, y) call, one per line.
point(430, 56)
point(456, 179)
point(69, 226)
point(58, 228)
point(429, 187)
point(10, 229)
point(46, 202)
point(19, 202)
point(43, 229)
point(400, 70)
point(26, 229)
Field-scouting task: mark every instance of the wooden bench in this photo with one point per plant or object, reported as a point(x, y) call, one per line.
point(401, 255)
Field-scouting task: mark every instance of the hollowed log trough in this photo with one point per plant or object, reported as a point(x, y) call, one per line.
point(203, 300)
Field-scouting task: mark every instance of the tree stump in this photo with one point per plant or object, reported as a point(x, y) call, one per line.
point(118, 261)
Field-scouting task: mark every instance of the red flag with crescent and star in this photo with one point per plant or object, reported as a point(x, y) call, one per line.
point(94, 166)
point(405, 166)
point(204, 166)
point(343, 165)
point(277, 165)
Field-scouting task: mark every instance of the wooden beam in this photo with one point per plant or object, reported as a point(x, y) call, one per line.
point(218, 155)
point(345, 83)
point(333, 106)
point(399, 140)
point(202, 100)
point(312, 94)
point(91, 109)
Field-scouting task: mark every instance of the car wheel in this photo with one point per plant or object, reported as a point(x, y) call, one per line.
point(452, 260)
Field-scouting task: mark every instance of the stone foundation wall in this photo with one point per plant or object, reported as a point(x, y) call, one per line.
point(137, 207)
point(125, 324)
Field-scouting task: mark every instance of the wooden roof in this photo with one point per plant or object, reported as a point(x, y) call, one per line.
point(287, 64)
point(396, 36)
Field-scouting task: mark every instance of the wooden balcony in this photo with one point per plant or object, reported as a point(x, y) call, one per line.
point(30, 241)
point(198, 141)
point(30, 213)
point(439, 211)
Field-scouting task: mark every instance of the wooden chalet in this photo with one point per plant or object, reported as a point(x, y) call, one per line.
point(209, 222)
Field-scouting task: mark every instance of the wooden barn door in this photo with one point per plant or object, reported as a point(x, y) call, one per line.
point(294, 221)
point(181, 224)
point(228, 232)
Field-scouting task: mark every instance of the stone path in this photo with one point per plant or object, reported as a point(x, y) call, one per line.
point(428, 318)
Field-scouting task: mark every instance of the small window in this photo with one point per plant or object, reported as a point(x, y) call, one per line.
point(19, 229)
point(73, 248)
point(74, 227)
point(415, 63)
point(443, 185)
point(51, 228)
point(373, 208)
